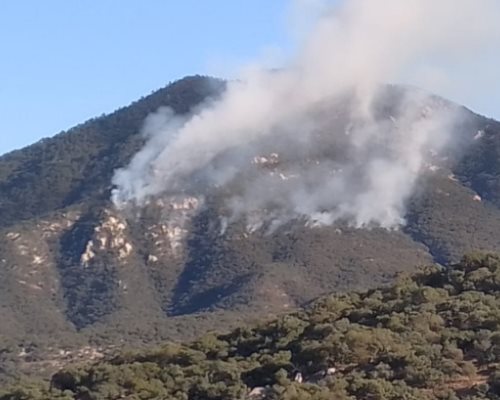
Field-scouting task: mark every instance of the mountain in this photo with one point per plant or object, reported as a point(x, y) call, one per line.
point(433, 335)
point(78, 276)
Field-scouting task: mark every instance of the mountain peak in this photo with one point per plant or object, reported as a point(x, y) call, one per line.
point(79, 271)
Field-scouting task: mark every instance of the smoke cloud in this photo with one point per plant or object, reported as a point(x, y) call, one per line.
point(324, 138)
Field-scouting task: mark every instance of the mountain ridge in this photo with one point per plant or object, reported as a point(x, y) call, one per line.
point(76, 271)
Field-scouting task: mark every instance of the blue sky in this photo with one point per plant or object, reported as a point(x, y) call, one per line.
point(65, 61)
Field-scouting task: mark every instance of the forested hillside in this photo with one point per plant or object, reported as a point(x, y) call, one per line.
point(77, 165)
point(78, 275)
point(432, 335)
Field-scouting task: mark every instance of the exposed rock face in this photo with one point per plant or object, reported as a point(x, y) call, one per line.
point(109, 236)
point(169, 234)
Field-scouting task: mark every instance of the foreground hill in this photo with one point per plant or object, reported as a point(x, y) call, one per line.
point(77, 276)
point(434, 335)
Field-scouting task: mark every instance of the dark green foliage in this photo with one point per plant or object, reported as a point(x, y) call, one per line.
point(433, 335)
point(480, 166)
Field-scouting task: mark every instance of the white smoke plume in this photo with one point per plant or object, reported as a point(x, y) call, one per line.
point(322, 138)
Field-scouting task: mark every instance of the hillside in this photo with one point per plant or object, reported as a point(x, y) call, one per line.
point(78, 276)
point(433, 335)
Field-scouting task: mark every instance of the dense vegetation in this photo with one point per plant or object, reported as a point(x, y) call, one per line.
point(433, 335)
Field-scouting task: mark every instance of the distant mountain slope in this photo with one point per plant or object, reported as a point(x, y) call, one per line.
point(78, 164)
point(75, 271)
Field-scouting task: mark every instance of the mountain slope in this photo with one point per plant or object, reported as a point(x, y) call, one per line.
point(76, 271)
point(78, 164)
